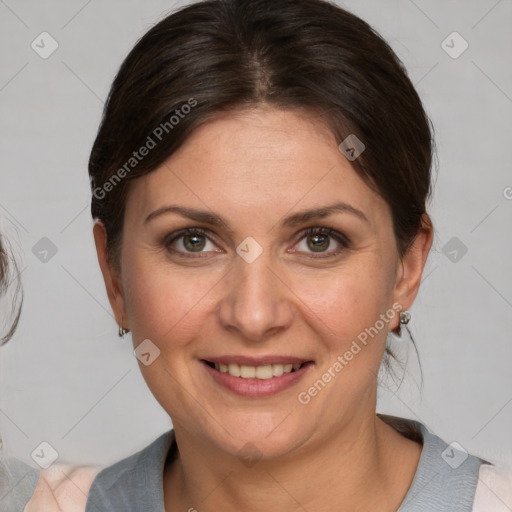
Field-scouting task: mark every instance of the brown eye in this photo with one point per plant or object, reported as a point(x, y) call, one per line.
point(194, 242)
point(320, 240)
point(189, 241)
point(318, 243)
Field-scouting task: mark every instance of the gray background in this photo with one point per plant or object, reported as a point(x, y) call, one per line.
point(67, 379)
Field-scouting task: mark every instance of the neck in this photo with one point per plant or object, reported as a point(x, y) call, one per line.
point(364, 464)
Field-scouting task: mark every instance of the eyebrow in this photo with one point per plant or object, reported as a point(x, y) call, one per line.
point(298, 218)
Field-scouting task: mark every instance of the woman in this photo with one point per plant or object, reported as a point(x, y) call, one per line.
point(259, 180)
point(17, 480)
point(22, 488)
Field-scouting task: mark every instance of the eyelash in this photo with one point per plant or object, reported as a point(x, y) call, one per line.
point(341, 239)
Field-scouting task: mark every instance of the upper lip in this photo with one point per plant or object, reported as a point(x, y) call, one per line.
point(256, 361)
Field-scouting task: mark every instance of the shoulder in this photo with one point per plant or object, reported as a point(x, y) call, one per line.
point(494, 489)
point(446, 476)
point(129, 469)
point(17, 483)
point(124, 484)
point(62, 488)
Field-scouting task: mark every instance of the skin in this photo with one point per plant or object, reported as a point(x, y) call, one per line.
point(61, 488)
point(254, 168)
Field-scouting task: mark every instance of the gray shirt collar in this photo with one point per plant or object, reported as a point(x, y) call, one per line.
point(445, 480)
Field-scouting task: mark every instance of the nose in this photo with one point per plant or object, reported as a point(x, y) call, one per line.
point(257, 301)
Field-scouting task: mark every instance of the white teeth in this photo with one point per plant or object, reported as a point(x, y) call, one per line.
point(264, 372)
point(259, 372)
point(247, 372)
point(277, 370)
point(234, 369)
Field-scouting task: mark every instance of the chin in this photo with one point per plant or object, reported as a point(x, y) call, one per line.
point(258, 435)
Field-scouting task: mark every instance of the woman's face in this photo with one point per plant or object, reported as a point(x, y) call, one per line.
point(255, 288)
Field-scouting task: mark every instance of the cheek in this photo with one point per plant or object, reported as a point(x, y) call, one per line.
point(163, 303)
point(347, 300)
point(346, 308)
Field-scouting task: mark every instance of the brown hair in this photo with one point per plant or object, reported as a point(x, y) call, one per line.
point(215, 56)
point(8, 273)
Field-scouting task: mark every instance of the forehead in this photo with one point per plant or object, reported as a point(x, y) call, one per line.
point(260, 162)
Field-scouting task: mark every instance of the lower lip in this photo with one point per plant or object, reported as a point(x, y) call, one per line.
point(256, 388)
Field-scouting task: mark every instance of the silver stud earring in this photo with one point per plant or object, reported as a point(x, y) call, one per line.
point(405, 316)
point(122, 330)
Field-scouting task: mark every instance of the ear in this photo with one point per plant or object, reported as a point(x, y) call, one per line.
point(111, 275)
point(410, 268)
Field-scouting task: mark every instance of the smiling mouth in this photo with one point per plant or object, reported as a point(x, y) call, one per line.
point(263, 372)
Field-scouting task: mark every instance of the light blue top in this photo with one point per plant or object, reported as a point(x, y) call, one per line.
point(17, 484)
point(445, 480)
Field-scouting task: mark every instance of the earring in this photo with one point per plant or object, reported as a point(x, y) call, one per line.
point(122, 330)
point(405, 317)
